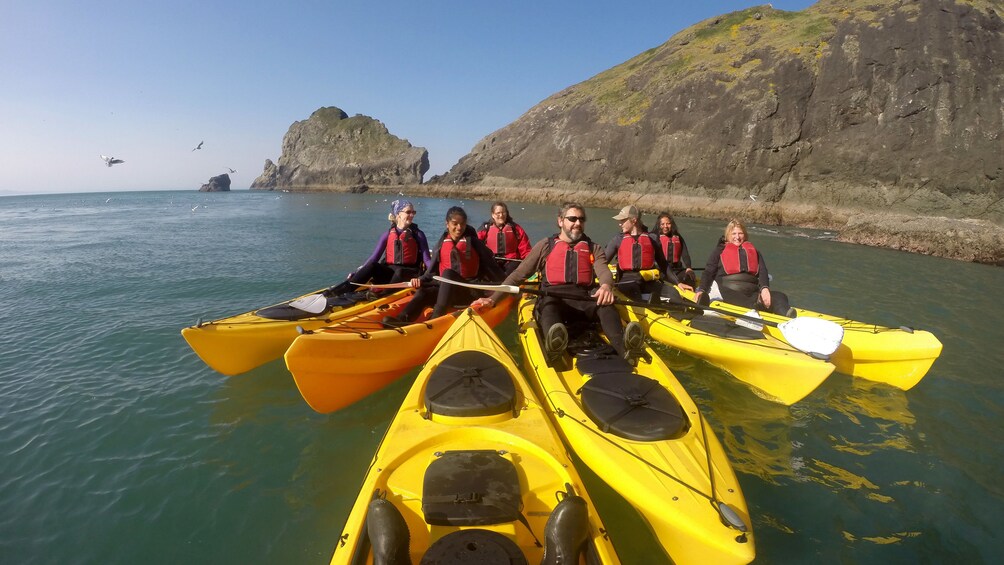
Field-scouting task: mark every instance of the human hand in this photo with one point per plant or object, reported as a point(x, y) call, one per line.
point(415, 283)
point(483, 302)
point(765, 297)
point(604, 295)
point(685, 286)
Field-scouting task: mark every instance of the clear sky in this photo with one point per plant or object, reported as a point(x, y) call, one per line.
point(147, 81)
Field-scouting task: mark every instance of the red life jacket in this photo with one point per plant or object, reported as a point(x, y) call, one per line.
point(636, 253)
point(459, 256)
point(740, 259)
point(402, 247)
point(502, 241)
point(671, 243)
point(568, 264)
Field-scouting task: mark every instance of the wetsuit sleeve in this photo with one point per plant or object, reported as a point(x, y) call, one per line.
point(522, 242)
point(533, 263)
point(711, 269)
point(423, 248)
point(660, 259)
point(684, 254)
point(432, 268)
point(378, 251)
point(600, 267)
point(615, 243)
point(763, 279)
point(489, 266)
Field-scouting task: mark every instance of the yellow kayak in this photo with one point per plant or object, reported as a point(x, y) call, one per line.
point(470, 470)
point(343, 362)
point(776, 370)
point(896, 356)
point(237, 344)
point(639, 431)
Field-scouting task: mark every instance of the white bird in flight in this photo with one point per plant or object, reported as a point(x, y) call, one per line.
point(111, 160)
point(199, 146)
point(753, 197)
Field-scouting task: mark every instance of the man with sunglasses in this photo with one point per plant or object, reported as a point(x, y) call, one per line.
point(569, 263)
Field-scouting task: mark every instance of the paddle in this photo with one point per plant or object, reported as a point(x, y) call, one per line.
point(814, 336)
point(402, 284)
point(313, 303)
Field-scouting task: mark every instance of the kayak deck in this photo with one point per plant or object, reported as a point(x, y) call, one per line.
point(641, 432)
point(467, 458)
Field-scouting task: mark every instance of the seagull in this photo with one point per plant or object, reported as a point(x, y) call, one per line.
point(753, 197)
point(232, 171)
point(111, 160)
point(199, 146)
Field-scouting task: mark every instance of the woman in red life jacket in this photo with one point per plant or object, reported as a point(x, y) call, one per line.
point(505, 238)
point(570, 263)
point(401, 253)
point(635, 250)
point(675, 249)
point(461, 256)
point(741, 274)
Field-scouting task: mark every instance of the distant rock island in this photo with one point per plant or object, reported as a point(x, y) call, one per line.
point(219, 183)
point(855, 115)
point(330, 150)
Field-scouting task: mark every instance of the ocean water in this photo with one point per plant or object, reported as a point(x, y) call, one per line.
point(118, 445)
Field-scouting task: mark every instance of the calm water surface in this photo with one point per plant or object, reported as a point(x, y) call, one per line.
point(117, 445)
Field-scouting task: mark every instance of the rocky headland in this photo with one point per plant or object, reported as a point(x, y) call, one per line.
point(880, 119)
point(330, 150)
point(219, 183)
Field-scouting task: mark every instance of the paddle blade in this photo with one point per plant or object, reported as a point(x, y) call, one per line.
point(751, 324)
point(314, 303)
point(812, 335)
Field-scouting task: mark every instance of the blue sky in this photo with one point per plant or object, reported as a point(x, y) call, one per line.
point(147, 81)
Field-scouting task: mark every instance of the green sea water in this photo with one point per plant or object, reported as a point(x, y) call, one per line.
point(118, 445)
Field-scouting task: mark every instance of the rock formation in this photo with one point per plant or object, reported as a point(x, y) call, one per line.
point(332, 150)
point(848, 106)
point(219, 183)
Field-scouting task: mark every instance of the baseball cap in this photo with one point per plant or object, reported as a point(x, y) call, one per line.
point(627, 212)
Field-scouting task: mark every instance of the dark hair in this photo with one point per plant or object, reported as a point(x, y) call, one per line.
point(673, 230)
point(568, 206)
point(456, 211)
point(508, 216)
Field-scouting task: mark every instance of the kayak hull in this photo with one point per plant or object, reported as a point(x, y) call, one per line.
point(238, 344)
point(427, 432)
point(895, 356)
point(671, 482)
point(344, 362)
point(775, 370)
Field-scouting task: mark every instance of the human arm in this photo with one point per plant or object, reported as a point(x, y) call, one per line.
point(523, 245)
point(490, 269)
point(423, 248)
point(605, 294)
point(710, 271)
point(763, 281)
point(531, 264)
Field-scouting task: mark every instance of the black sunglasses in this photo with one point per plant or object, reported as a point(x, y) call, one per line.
point(574, 219)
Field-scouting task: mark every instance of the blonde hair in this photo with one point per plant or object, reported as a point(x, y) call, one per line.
point(736, 223)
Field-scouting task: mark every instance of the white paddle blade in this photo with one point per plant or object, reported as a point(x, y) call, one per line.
point(506, 288)
point(755, 326)
point(812, 335)
point(402, 284)
point(314, 303)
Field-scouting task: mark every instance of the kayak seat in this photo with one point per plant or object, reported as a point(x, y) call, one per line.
point(471, 488)
point(723, 327)
point(470, 383)
point(387, 531)
point(483, 547)
point(601, 360)
point(633, 407)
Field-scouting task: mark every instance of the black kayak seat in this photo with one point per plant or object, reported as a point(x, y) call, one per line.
point(723, 327)
point(470, 383)
point(474, 547)
point(633, 407)
point(471, 488)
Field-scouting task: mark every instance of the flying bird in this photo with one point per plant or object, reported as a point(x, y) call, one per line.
point(232, 171)
point(111, 160)
point(753, 197)
point(199, 146)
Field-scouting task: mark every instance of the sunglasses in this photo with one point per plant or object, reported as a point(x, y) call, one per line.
point(409, 212)
point(574, 219)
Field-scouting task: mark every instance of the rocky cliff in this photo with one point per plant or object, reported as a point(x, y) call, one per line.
point(332, 150)
point(847, 107)
point(219, 183)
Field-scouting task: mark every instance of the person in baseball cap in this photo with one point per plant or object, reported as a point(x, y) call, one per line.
point(627, 212)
